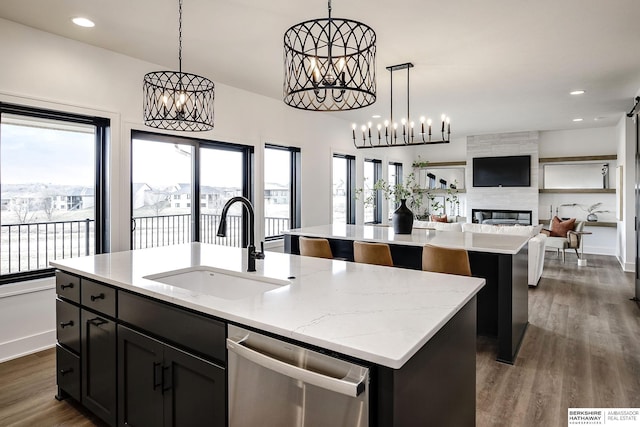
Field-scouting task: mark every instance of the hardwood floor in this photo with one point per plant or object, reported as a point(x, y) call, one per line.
point(582, 349)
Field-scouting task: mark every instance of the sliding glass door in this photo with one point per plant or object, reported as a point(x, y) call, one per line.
point(176, 180)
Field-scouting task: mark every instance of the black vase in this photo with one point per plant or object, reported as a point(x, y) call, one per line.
point(402, 219)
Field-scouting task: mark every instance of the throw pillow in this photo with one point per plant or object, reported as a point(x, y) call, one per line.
point(436, 218)
point(559, 228)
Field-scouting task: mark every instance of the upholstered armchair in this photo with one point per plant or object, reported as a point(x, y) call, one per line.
point(573, 240)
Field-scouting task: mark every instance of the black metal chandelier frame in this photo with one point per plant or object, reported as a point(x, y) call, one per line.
point(389, 137)
point(329, 65)
point(177, 100)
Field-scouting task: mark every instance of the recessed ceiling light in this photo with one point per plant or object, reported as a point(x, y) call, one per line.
point(376, 116)
point(577, 120)
point(83, 22)
point(599, 118)
point(577, 92)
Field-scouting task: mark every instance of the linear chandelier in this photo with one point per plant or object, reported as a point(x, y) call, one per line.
point(329, 65)
point(176, 100)
point(391, 136)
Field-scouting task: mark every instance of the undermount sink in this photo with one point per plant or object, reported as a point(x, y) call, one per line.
point(217, 282)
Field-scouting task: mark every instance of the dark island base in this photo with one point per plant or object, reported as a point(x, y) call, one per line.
point(437, 386)
point(503, 310)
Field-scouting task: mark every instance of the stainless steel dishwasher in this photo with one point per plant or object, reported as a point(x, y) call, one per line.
point(276, 384)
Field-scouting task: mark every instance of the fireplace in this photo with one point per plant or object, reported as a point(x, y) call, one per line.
point(501, 217)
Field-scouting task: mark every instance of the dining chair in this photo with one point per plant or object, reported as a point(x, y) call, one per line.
point(315, 247)
point(372, 253)
point(446, 260)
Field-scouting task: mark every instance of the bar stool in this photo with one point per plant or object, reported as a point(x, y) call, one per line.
point(372, 253)
point(446, 260)
point(316, 247)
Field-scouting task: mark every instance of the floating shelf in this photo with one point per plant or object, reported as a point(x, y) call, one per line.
point(577, 159)
point(588, 223)
point(438, 190)
point(578, 190)
point(441, 164)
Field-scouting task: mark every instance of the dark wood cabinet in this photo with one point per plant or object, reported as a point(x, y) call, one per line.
point(161, 385)
point(137, 361)
point(99, 365)
point(140, 379)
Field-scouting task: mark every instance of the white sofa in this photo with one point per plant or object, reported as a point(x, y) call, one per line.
point(536, 244)
point(445, 226)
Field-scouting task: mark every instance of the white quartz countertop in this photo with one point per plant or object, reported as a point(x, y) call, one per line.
point(477, 242)
point(380, 314)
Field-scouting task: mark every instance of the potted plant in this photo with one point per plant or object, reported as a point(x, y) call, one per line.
point(404, 195)
point(592, 211)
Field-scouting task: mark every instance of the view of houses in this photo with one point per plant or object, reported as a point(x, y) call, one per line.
point(44, 222)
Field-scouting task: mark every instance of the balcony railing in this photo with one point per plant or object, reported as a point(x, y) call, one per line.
point(163, 230)
point(275, 226)
point(30, 247)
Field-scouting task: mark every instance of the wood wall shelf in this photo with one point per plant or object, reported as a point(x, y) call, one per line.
point(577, 158)
point(441, 164)
point(578, 190)
point(587, 223)
point(438, 190)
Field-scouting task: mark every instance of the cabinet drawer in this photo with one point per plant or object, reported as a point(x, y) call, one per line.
point(99, 297)
point(68, 325)
point(68, 372)
point(68, 286)
point(183, 328)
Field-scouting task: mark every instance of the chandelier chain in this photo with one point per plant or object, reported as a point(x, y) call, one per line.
point(180, 36)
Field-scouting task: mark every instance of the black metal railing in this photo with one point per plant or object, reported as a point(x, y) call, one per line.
point(30, 247)
point(275, 226)
point(163, 230)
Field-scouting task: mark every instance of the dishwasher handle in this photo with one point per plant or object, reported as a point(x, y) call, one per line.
point(337, 385)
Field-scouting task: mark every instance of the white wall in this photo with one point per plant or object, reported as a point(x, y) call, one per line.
point(626, 145)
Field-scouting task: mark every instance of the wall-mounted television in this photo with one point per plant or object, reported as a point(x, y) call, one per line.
point(507, 171)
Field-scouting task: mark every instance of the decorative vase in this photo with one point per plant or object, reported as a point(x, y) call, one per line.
point(402, 219)
point(592, 217)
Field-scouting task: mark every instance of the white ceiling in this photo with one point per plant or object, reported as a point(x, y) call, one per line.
point(492, 65)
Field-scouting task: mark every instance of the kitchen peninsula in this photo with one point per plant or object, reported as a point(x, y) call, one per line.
point(414, 330)
point(501, 259)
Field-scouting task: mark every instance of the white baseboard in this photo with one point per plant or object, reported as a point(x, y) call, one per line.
point(629, 267)
point(27, 345)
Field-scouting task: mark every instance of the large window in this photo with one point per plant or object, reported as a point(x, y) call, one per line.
point(51, 181)
point(372, 207)
point(176, 180)
point(281, 190)
point(395, 178)
point(343, 187)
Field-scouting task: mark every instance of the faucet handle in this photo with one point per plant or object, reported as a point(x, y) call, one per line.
point(260, 255)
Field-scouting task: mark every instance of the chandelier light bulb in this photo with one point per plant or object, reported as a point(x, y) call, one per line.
point(429, 122)
point(363, 128)
point(379, 126)
point(403, 121)
point(386, 123)
point(369, 125)
point(443, 117)
point(421, 119)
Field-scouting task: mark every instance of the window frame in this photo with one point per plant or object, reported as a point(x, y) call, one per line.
point(102, 125)
point(398, 180)
point(350, 206)
point(377, 195)
point(295, 186)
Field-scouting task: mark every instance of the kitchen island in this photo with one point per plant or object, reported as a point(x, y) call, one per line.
point(414, 329)
point(501, 259)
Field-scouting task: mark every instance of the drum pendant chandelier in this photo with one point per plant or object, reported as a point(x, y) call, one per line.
point(176, 100)
point(329, 65)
